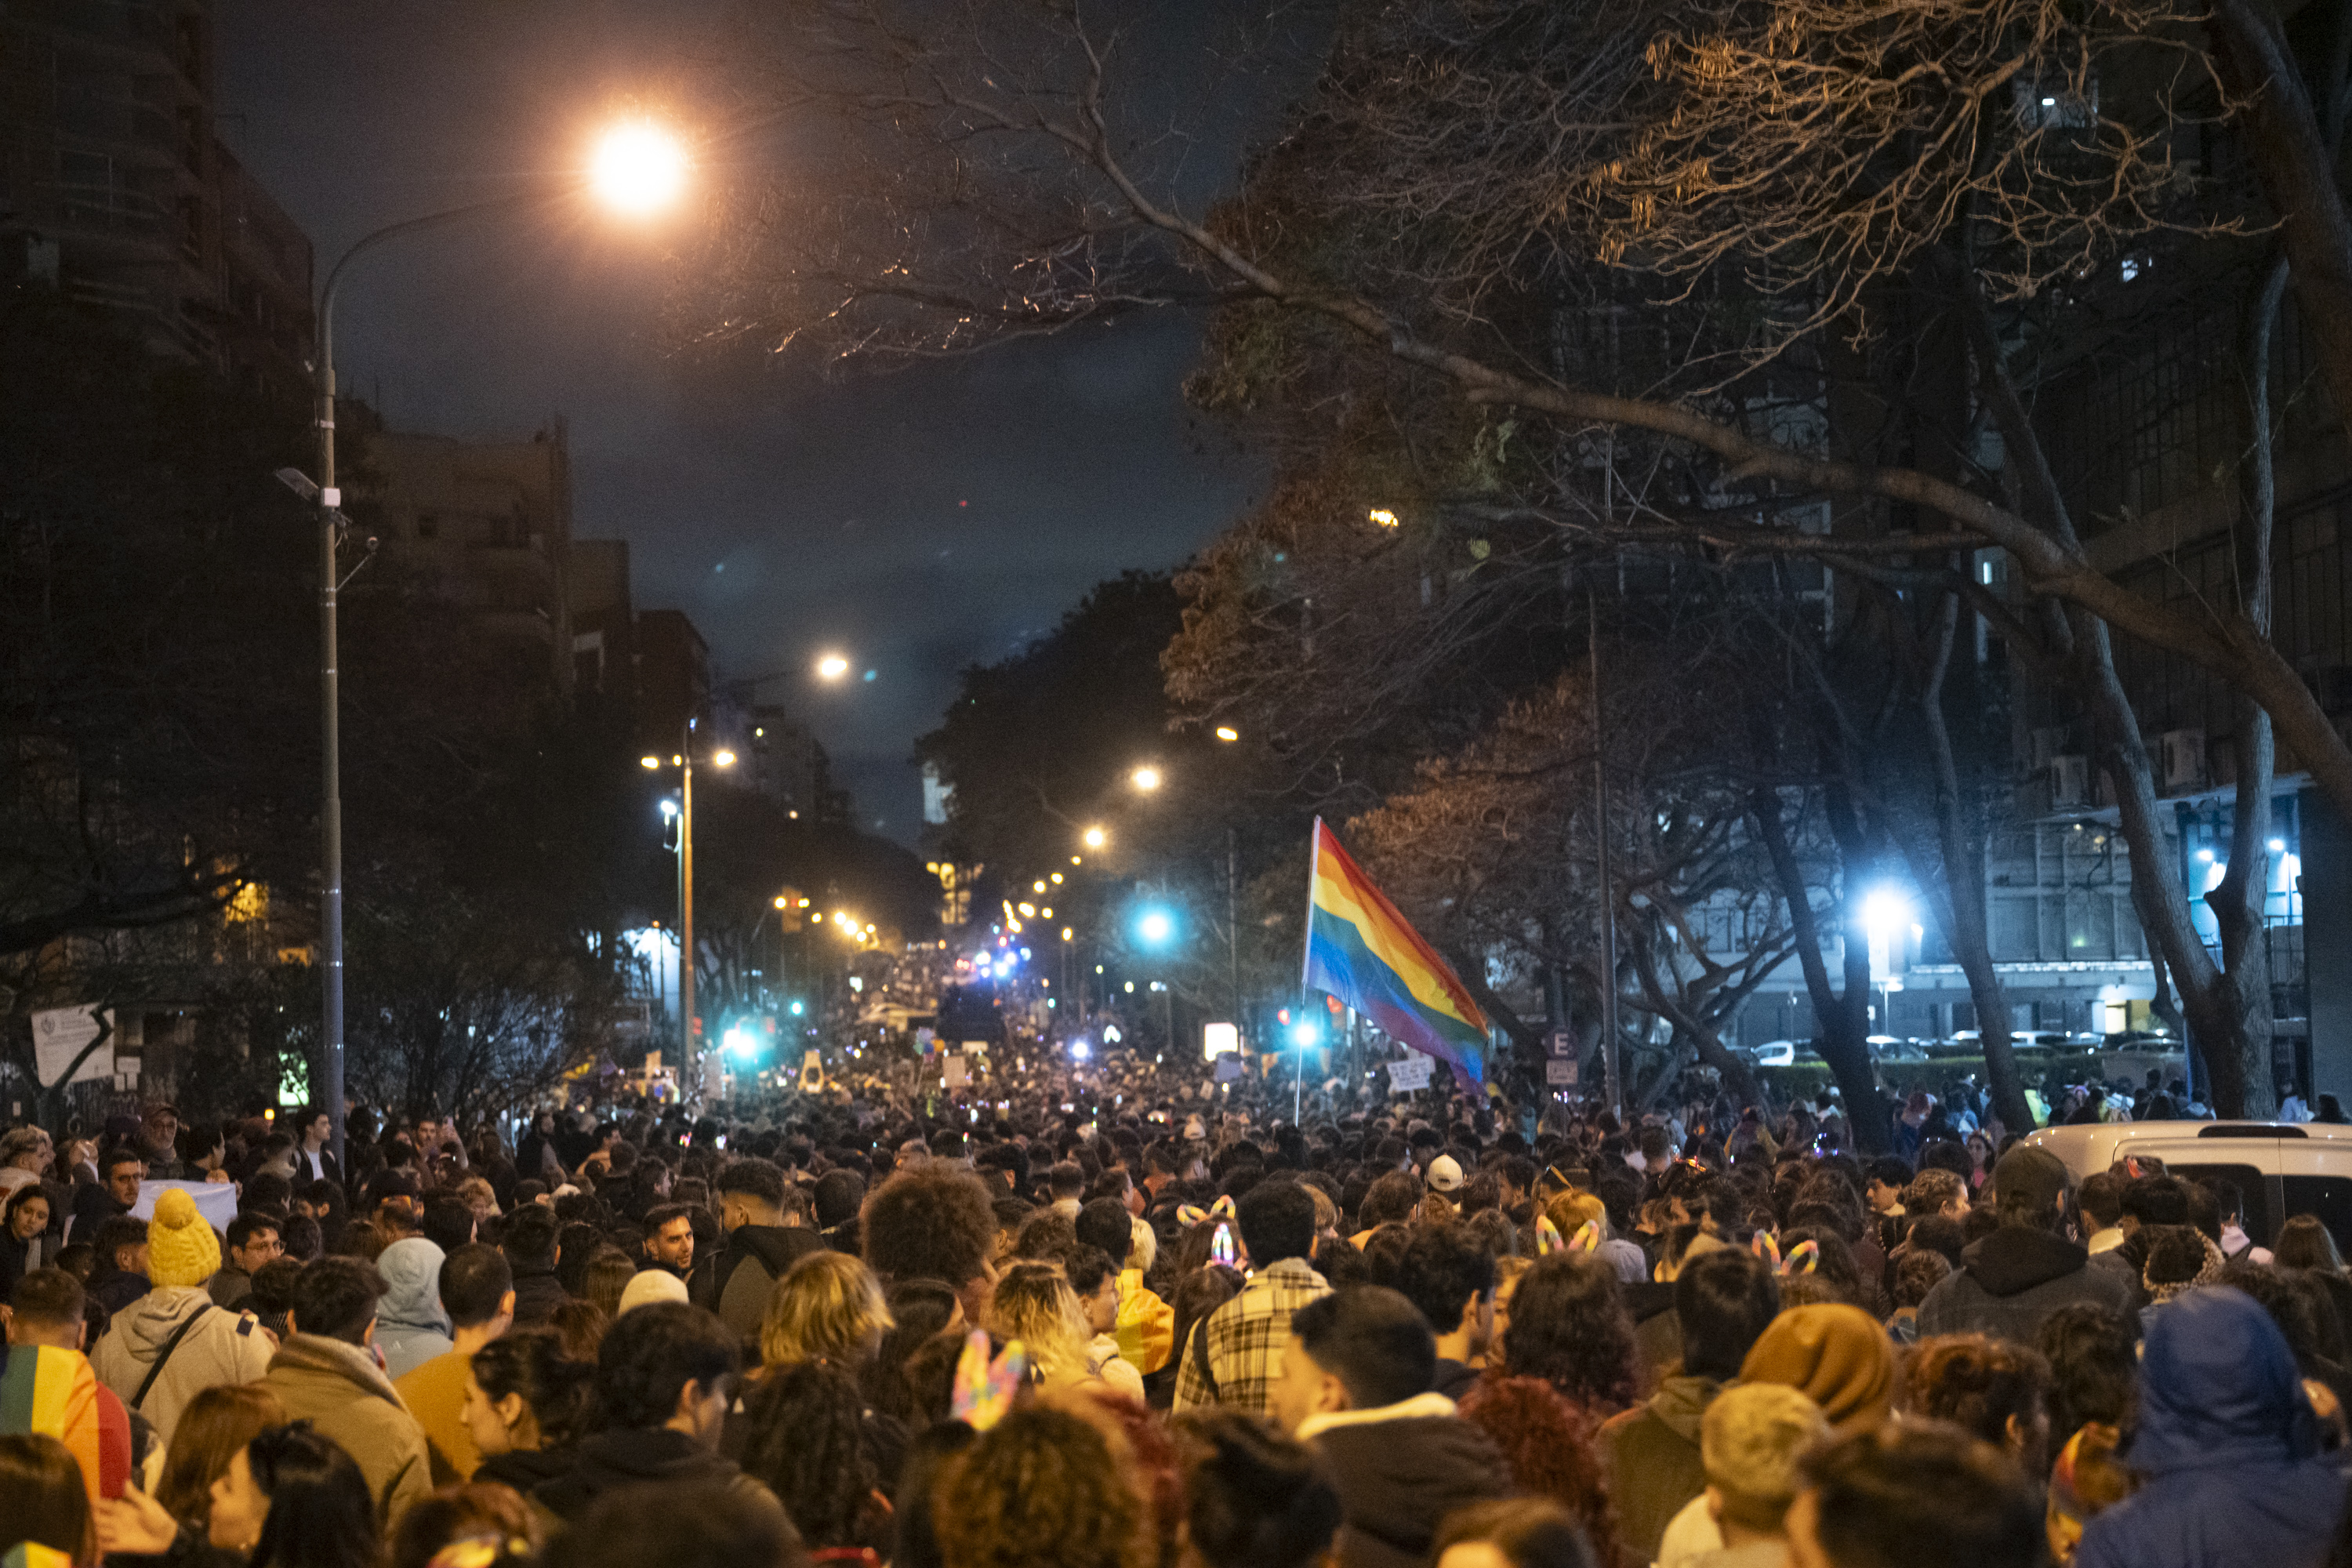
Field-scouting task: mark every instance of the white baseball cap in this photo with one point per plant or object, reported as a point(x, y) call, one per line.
point(1444, 1175)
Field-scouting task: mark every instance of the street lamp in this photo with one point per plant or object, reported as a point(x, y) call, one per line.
point(684, 762)
point(832, 667)
point(1094, 839)
point(628, 185)
point(638, 168)
point(1145, 778)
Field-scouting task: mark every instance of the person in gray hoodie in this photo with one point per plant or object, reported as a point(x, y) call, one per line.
point(411, 1327)
point(172, 1342)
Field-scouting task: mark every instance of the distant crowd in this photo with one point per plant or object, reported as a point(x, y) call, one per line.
point(1153, 1329)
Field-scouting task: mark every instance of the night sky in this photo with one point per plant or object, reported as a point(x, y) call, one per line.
point(919, 521)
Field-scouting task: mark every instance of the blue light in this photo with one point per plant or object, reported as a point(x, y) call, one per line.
point(738, 1041)
point(1079, 1051)
point(1155, 927)
point(797, 1010)
point(1304, 1034)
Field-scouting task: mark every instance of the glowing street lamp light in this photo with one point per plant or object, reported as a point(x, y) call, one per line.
point(1094, 839)
point(638, 168)
point(1227, 733)
point(1145, 778)
point(1155, 927)
point(832, 667)
point(635, 169)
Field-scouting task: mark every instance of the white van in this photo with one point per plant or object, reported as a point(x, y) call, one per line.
point(2283, 1168)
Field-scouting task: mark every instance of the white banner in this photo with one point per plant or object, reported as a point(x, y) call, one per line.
point(1409, 1074)
point(216, 1201)
point(59, 1036)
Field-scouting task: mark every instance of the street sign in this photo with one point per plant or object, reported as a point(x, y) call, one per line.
point(1559, 1043)
point(1409, 1074)
point(1562, 1074)
point(59, 1035)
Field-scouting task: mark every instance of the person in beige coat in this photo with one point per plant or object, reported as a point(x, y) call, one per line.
point(326, 1374)
point(198, 1343)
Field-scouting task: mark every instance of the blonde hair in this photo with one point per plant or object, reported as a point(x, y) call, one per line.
point(828, 1307)
point(1750, 1440)
point(1570, 1210)
point(1034, 1304)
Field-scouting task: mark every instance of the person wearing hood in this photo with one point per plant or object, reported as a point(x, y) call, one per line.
point(2228, 1445)
point(412, 1327)
point(1723, 1300)
point(764, 1239)
point(326, 1374)
point(1353, 1385)
point(1835, 1355)
point(172, 1342)
point(2011, 1281)
point(665, 1377)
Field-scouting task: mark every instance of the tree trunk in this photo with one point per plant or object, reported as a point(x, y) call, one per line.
point(1842, 1019)
point(2289, 150)
point(1960, 839)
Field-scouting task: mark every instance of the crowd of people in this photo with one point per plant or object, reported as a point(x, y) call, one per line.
point(1149, 1328)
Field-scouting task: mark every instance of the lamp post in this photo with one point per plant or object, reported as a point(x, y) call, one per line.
point(689, 1057)
point(636, 169)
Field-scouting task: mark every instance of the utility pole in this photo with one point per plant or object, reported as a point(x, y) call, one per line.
point(1600, 861)
point(1233, 916)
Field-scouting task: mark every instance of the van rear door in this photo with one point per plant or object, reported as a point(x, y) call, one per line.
point(2315, 1178)
point(2246, 1158)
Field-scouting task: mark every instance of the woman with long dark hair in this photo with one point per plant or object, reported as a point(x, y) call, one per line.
point(24, 1242)
point(808, 1442)
point(290, 1499)
point(1570, 1328)
point(525, 1403)
point(42, 1500)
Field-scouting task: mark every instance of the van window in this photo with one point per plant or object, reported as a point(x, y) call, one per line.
point(2330, 1197)
point(2260, 1224)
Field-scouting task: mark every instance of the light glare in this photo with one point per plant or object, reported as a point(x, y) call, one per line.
point(639, 168)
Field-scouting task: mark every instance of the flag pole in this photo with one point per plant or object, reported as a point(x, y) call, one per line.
point(1305, 963)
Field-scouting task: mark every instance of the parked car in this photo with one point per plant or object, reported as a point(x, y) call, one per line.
point(2281, 1168)
point(1774, 1054)
point(1897, 1048)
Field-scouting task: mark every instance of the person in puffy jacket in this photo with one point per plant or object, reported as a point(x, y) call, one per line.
point(2227, 1447)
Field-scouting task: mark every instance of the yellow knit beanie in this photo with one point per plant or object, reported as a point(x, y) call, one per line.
point(181, 1247)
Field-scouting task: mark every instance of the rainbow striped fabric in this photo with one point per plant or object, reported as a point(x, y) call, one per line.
point(47, 1390)
point(1361, 950)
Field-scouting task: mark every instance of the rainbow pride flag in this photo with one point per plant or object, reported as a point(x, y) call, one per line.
point(1361, 950)
point(50, 1391)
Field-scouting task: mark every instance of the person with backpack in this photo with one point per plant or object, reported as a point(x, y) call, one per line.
point(172, 1342)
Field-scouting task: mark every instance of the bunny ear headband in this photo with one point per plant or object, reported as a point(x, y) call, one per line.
point(984, 1388)
point(1587, 1238)
point(1803, 1259)
point(1548, 1239)
point(1189, 1215)
point(1223, 1208)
